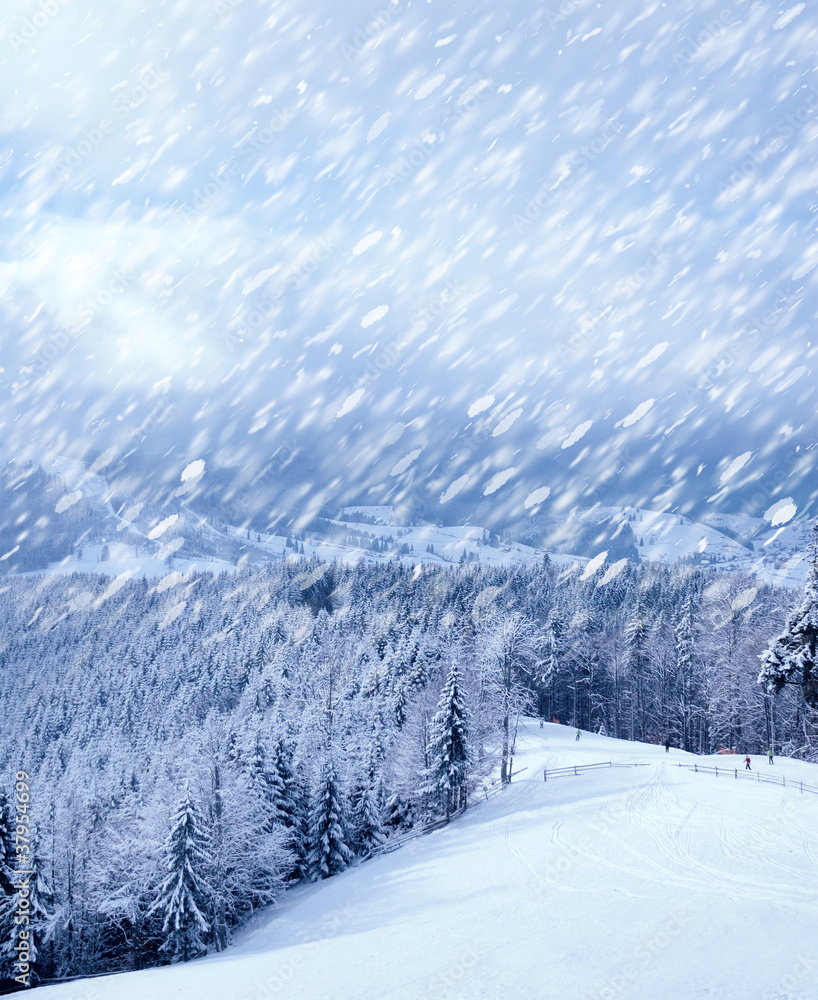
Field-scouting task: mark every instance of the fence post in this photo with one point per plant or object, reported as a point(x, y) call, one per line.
point(575, 769)
point(696, 768)
point(784, 780)
point(545, 774)
point(736, 774)
point(717, 770)
point(802, 787)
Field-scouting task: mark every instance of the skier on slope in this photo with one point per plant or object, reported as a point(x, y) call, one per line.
point(747, 764)
point(770, 755)
point(579, 734)
point(667, 745)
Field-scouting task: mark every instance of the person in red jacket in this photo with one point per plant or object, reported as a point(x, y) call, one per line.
point(747, 764)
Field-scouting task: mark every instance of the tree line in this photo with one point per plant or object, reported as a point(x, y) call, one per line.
point(196, 745)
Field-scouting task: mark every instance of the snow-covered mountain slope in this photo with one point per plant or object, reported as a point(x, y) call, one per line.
point(507, 255)
point(776, 555)
point(138, 538)
point(639, 881)
point(409, 545)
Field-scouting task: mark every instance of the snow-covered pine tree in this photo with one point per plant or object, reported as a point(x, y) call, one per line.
point(300, 837)
point(366, 822)
point(399, 703)
point(290, 807)
point(182, 898)
point(330, 851)
point(399, 813)
point(551, 668)
point(263, 782)
point(792, 658)
point(377, 747)
point(280, 781)
point(637, 636)
point(450, 752)
point(41, 897)
point(219, 840)
point(686, 669)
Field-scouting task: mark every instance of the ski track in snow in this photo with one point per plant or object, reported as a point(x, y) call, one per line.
point(662, 841)
point(597, 865)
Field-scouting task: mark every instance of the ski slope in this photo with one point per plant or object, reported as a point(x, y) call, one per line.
point(642, 882)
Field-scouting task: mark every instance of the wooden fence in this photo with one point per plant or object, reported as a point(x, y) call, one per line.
point(479, 794)
point(558, 772)
point(757, 776)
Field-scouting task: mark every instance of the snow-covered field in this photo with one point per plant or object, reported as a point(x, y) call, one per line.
point(449, 543)
point(641, 882)
point(124, 561)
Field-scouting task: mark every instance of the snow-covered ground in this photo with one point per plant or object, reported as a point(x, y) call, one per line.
point(77, 477)
point(641, 882)
point(124, 560)
point(667, 539)
point(449, 543)
point(663, 537)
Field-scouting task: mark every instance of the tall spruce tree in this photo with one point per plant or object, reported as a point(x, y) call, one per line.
point(449, 754)
point(366, 822)
point(290, 807)
point(41, 895)
point(182, 899)
point(300, 830)
point(637, 635)
point(330, 851)
point(280, 780)
point(685, 633)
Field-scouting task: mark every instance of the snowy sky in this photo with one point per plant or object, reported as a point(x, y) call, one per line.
point(486, 254)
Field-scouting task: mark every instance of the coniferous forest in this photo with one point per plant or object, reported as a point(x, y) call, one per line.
point(196, 745)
